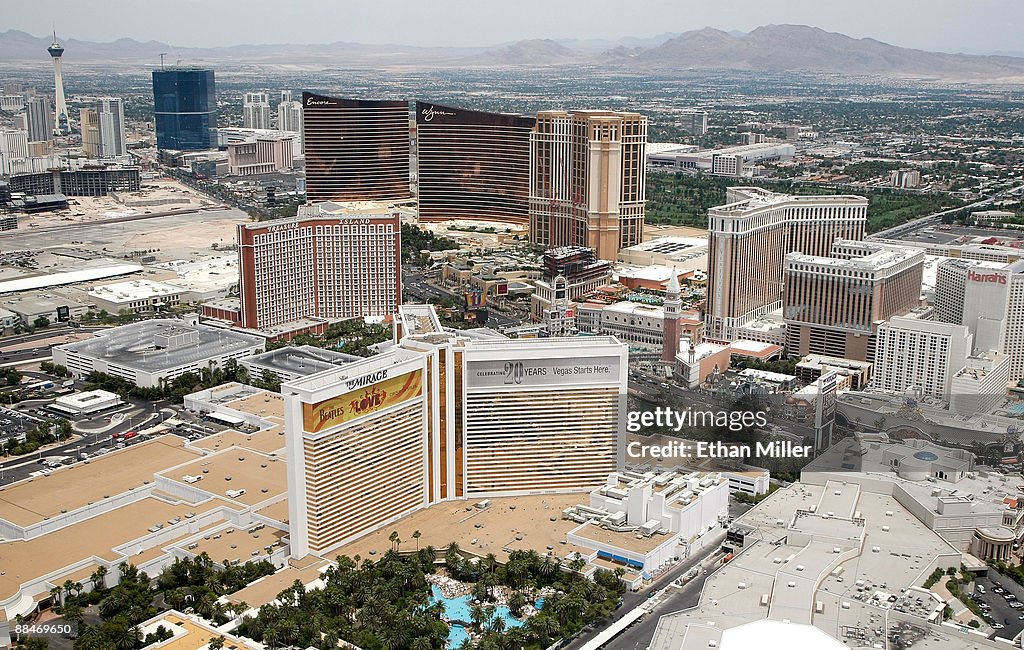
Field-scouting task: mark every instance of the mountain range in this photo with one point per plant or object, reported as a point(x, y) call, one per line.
point(770, 48)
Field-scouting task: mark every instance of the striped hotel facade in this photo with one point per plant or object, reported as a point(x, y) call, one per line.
point(356, 149)
point(348, 263)
point(443, 418)
point(472, 164)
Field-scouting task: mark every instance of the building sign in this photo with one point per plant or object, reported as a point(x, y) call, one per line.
point(430, 112)
point(579, 371)
point(368, 394)
point(475, 299)
point(974, 276)
point(825, 408)
point(318, 100)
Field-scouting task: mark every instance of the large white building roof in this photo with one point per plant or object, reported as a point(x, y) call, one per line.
point(67, 277)
point(133, 290)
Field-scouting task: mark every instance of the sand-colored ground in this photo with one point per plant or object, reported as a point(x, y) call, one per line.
point(78, 485)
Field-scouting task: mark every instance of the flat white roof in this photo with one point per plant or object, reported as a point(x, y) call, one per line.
point(68, 277)
point(133, 290)
point(81, 400)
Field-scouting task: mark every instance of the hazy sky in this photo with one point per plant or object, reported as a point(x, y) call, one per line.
point(941, 25)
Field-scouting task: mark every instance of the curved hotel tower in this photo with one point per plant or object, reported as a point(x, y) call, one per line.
point(472, 164)
point(356, 149)
point(447, 416)
point(749, 238)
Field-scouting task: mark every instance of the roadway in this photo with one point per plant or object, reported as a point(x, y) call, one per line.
point(47, 338)
point(640, 633)
point(936, 217)
point(94, 432)
point(417, 285)
point(127, 218)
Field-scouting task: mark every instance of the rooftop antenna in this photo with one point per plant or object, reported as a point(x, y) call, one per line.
point(162, 55)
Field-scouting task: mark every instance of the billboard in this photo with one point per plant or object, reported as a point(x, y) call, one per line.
point(476, 299)
point(368, 394)
point(825, 409)
point(575, 371)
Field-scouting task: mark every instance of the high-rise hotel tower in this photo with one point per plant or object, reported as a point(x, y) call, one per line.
point(356, 149)
point(749, 238)
point(445, 417)
point(472, 164)
point(587, 175)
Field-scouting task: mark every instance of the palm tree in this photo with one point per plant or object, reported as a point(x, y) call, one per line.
point(396, 541)
point(416, 536)
point(490, 562)
point(497, 625)
point(516, 603)
point(127, 638)
point(577, 564)
point(430, 554)
point(72, 612)
point(478, 617)
point(55, 595)
point(99, 577)
point(548, 566)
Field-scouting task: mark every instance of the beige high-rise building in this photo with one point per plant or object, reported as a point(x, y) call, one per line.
point(90, 123)
point(749, 238)
point(102, 125)
point(587, 178)
point(263, 155)
point(833, 305)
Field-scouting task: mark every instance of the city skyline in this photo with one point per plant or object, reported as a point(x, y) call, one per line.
point(985, 27)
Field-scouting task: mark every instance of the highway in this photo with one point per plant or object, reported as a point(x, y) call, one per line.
point(936, 217)
point(94, 432)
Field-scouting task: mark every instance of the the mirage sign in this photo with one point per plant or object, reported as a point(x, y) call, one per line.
point(367, 394)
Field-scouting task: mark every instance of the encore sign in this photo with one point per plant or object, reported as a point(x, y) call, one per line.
point(362, 401)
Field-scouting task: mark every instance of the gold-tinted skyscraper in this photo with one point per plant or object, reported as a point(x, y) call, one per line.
point(587, 180)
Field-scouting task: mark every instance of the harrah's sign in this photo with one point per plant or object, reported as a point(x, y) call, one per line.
point(986, 277)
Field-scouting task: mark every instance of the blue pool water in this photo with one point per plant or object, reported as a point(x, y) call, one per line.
point(457, 635)
point(1017, 409)
point(460, 609)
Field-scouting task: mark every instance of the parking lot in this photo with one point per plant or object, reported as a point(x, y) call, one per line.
point(1003, 602)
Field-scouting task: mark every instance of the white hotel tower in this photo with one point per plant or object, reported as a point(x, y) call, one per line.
point(61, 121)
point(448, 416)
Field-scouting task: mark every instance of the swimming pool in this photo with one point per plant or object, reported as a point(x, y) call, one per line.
point(459, 610)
